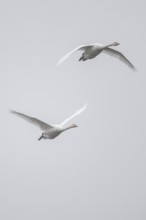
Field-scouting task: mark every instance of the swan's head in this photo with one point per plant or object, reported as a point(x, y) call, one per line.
point(73, 126)
point(115, 44)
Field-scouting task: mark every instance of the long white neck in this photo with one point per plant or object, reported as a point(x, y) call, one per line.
point(110, 45)
point(67, 128)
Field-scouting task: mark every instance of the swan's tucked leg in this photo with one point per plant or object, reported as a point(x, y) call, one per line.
point(40, 137)
point(82, 57)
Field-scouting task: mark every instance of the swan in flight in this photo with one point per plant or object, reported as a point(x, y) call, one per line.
point(50, 131)
point(92, 50)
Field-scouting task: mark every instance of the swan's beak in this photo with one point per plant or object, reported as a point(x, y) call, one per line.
point(117, 43)
point(75, 126)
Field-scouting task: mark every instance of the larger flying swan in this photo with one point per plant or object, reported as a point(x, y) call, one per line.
point(92, 50)
point(50, 131)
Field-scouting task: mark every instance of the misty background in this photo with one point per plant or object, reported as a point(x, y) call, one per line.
point(96, 171)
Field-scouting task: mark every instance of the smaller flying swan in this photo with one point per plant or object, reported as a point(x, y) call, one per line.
point(50, 131)
point(92, 50)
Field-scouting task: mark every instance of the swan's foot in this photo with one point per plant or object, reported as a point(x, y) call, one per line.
point(40, 137)
point(82, 57)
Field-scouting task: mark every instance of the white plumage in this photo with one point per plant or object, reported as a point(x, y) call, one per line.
point(92, 50)
point(50, 131)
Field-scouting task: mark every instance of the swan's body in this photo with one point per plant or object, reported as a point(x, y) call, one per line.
point(50, 131)
point(92, 50)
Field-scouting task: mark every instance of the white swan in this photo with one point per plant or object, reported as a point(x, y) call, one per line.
point(92, 50)
point(50, 131)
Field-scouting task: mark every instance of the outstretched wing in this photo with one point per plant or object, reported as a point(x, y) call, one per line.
point(75, 114)
point(119, 56)
point(83, 47)
point(42, 125)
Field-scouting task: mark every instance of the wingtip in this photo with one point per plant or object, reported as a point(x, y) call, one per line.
point(59, 62)
point(135, 69)
point(86, 104)
point(10, 110)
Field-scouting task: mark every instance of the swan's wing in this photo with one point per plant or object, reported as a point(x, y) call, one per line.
point(83, 47)
point(42, 125)
point(119, 56)
point(75, 114)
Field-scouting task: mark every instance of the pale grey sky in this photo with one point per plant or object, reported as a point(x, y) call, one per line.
point(96, 171)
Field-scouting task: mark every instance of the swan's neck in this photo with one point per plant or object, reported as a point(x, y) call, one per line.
point(106, 46)
point(110, 45)
point(67, 128)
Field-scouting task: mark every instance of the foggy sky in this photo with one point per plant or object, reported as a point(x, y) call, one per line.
point(96, 171)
